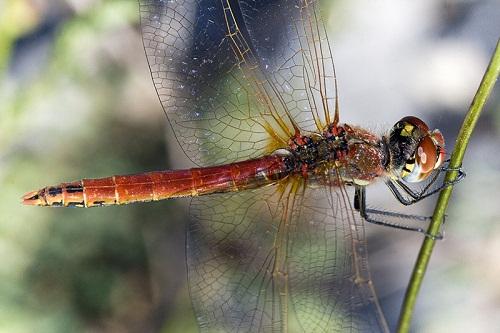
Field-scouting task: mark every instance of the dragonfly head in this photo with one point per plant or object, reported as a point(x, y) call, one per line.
point(414, 150)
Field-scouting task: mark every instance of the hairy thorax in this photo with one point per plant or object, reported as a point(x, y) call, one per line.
point(346, 154)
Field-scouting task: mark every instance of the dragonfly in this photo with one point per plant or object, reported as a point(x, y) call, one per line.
point(275, 241)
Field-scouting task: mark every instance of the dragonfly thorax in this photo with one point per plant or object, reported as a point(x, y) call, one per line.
point(311, 150)
point(343, 153)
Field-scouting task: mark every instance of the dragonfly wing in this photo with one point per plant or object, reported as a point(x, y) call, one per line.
point(280, 258)
point(204, 95)
point(220, 106)
point(293, 48)
point(230, 259)
point(329, 277)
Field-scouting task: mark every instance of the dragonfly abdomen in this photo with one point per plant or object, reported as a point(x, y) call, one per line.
point(161, 185)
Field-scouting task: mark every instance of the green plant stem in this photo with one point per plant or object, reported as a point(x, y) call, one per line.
point(464, 135)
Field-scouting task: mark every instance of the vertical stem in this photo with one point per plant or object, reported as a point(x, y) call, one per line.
point(464, 135)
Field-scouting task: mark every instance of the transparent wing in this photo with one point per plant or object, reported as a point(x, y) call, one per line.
point(292, 45)
point(221, 107)
point(231, 256)
point(278, 259)
point(329, 277)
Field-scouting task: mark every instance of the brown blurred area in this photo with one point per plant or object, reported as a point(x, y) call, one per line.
point(77, 101)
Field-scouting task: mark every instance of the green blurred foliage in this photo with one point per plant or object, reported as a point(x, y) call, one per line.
point(68, 117)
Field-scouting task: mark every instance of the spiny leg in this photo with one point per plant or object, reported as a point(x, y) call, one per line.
point(398, 187)
point(369, 215)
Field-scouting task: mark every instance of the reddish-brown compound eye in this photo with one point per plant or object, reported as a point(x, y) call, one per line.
point(415, 150)
point(438, 139)
point(428, 156)
point(415, 122)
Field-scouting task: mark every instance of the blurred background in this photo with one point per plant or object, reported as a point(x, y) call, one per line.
point(77, 101)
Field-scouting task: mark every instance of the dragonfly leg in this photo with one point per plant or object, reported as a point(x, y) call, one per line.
point(398, 187)
point(381, 217)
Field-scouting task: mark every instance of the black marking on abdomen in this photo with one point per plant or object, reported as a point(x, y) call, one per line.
point(53, 191)
point(35, 197)
point(74, 188)
point(76, 204)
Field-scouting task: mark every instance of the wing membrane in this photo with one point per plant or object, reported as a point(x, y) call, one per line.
point(231, 261)
point(291, 42)
point(220, 105)
point(329, 278)
point(280, 259)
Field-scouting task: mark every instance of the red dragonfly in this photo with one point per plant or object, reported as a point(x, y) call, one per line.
point(274, 243)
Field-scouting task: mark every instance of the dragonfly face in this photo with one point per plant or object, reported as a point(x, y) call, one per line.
point(415, 151)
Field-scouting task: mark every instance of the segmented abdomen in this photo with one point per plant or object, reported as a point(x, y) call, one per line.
point(160, 185)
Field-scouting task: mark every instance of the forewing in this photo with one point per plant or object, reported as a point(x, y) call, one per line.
point(219, 103)
point(292, 45)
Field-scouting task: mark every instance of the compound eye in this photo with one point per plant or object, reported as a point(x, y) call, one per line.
point(410, 124)
point(427, 157)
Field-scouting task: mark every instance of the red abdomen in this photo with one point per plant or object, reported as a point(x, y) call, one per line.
point(160, 185)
